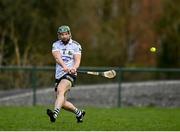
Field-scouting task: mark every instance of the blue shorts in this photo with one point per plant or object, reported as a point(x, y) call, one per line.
point(70, 77)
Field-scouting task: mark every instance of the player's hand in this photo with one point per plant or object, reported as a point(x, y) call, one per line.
point(66, 69)
point(73, 71)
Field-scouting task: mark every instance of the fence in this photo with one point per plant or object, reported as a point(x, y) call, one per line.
point(36, 77)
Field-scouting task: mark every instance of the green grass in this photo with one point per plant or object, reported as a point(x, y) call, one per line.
point(35, 118)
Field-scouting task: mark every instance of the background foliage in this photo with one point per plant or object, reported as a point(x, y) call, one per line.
point(111, 32)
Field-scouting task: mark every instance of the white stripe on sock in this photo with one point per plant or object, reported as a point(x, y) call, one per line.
point(77, 112)
point(56, 112)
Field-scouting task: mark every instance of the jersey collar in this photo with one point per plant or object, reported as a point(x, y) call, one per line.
point(70, 42)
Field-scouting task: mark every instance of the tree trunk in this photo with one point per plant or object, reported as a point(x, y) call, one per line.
point(14, 38)
point(2, 42)
point(25, 56)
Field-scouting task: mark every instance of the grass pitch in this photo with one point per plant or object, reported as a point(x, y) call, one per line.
point(136, 119)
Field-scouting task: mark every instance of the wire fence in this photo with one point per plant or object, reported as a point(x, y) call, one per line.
point(38, 78)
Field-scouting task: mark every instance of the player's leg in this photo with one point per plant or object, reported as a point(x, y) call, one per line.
point(63, 86)
point(70, 107)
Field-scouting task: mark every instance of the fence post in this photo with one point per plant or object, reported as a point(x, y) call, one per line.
point(120, 72)
point(34, 85)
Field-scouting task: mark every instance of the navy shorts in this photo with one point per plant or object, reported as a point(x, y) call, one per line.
point(70, 77)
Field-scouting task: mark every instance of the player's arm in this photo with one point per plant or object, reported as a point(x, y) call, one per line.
point(57, 57)
point(77, 61)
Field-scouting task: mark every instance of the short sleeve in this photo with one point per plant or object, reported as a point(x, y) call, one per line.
point(54, 47)
point(77, 49)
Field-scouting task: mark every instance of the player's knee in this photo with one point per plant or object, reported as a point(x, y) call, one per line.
point(60, 92)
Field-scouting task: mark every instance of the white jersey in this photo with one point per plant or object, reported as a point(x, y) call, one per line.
point(67, 54)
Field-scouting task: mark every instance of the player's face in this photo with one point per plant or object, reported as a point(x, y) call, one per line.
point(64, 36)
